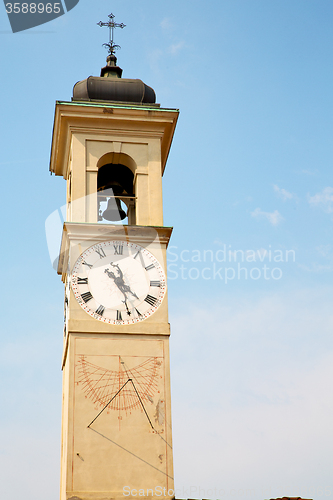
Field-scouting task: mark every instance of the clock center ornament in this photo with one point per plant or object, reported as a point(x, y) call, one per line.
point(111, 143)
point(118, 282)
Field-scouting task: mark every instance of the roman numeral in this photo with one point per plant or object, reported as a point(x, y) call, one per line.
point(84, 263)
point(118, 249)
point(151, 300)
point(82, 281)
point(137, 312)
point(119, 318)
point(148, 268)
point(137, 253)
point(100, 252)
point(100, 310)
point(86, 296)
point(155, 283)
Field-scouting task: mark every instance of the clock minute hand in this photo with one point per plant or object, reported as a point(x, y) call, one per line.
point(128, 311)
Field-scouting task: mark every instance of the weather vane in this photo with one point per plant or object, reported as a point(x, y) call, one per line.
point(111, 25)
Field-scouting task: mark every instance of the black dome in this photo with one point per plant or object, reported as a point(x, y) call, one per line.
point(111, 87)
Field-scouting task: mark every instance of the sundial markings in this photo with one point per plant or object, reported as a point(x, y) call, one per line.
point(99, 389)
point(150, 381)
point(88, 383)
point(115, 388)
point(154, 370)
point(96, 384)
point(107, 404)
point(130, 395)
point(133, 399)
point(124, 394)
point(105, 387)
point(145, 382)
point(98, 380)
point(119, 318)
point(151, 266)
point(140, 378)
point(143, 407)
point(118, 403)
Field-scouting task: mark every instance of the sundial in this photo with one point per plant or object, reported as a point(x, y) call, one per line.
point(117, 391)
point(123, 390)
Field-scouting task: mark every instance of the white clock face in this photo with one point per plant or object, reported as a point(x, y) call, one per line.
point(118, 282)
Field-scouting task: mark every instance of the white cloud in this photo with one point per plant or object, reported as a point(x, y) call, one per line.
point(283, 193)
point(316, 268)
point(325, 250)
point(157, 55)
point(273, 217)
point(176, 47)
point(166, 24)
point(323, 200)
point(308, 172)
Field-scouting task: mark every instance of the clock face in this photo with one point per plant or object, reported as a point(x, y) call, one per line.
point(118, 282)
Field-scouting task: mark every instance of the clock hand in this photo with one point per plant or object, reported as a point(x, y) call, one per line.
point(110, 273)
point(128, 311)
point(119, 281)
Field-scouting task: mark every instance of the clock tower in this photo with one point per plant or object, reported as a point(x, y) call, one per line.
point(111, 143)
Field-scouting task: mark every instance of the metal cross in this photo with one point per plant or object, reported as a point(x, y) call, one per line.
point(111, 25)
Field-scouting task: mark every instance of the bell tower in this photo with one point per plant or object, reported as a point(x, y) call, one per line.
point(110, 144)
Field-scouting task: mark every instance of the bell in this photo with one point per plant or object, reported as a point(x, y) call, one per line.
point(114, 212)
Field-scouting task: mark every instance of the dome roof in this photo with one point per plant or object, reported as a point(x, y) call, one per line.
point(111, 87)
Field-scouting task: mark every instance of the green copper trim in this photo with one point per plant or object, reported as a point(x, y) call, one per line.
point(121, 106)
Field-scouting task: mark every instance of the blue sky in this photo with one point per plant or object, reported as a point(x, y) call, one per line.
point(250, 169)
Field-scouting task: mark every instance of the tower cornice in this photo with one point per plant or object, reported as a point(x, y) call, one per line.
point(111, 119)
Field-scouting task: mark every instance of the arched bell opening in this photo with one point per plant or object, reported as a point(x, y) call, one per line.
point(116, 199)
